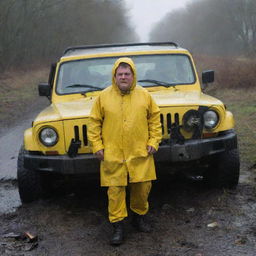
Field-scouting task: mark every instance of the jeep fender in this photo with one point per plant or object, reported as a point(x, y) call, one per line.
point(228, 122)
point(29, 143)
point(32, 142)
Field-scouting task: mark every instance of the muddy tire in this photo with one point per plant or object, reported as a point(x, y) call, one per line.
point(224, 170)
point(29, 182)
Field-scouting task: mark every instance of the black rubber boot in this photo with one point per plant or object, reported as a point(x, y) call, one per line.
point(138, 221)
point(118, 234)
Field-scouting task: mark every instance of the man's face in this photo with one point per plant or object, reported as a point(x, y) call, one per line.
point(124, 78)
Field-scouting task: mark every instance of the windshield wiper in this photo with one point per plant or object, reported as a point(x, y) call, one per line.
point(156, 82)
point(84, 86)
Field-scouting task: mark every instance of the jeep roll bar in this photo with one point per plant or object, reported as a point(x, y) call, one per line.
point(82, 47)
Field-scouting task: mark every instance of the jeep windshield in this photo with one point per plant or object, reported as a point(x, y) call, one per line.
point(85, 75)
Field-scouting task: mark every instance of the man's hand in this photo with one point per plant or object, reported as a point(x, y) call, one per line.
point(100, 155)
point(151, 150)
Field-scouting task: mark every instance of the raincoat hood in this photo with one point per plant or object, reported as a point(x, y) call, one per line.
point(130, 62)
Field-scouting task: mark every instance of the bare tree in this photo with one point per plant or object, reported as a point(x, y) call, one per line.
point(38, 31)
point(243, 16)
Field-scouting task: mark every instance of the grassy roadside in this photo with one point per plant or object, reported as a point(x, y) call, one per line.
point(230, 72)
point(242, 103)
point(18, 90)
point(235, 84)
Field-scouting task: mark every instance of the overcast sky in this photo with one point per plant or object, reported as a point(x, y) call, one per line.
point(145, 13)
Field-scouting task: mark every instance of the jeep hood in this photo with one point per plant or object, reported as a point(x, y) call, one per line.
point(166, 98)
point(80, 108)
point(74, 109)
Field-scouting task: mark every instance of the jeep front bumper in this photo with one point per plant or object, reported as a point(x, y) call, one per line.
point(196, 149)
point(88, 163)
point(81, 164)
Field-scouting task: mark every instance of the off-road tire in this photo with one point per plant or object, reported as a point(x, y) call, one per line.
point(29, 182)
point(224, 169)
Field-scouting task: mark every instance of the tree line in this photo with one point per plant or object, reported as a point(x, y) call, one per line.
point(219, 27)
point(38, 31)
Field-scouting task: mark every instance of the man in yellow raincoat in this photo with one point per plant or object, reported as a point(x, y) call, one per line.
point(125, 131)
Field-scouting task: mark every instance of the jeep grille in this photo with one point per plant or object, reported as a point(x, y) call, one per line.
point(166, 122)
point(84, 134)
point(76, 130)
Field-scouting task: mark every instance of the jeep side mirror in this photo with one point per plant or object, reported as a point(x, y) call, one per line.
point(44, 89)
point(207, 76)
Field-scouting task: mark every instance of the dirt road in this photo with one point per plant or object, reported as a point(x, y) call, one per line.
point(188, 218)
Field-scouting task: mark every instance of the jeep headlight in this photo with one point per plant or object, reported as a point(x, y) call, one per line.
point(191, 120)
point(211, 119)
point(48, 136)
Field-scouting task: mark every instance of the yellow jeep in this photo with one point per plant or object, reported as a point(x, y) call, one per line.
point(198, 130)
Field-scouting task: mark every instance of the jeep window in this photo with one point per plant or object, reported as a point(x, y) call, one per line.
point(152, 70)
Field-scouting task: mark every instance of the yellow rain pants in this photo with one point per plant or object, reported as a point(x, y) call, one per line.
point(139, 193)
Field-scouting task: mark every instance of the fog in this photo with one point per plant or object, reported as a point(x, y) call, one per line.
point(144, 14)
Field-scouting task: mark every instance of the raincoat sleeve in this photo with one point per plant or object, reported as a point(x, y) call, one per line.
point(95, 126)
point(154, 125)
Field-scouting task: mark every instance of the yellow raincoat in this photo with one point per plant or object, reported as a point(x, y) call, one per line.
point(123, 125)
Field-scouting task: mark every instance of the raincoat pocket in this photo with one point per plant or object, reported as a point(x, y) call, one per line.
point(141, 152)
